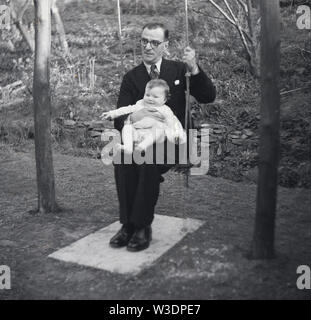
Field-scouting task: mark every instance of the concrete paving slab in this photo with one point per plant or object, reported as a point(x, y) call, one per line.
point(94, 250)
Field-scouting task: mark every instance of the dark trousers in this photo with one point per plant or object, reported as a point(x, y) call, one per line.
point(138, 189)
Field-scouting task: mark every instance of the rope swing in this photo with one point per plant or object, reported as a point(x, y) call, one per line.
point(188, 121)
point(187, 111)
point(187, 126)
point(120, 37)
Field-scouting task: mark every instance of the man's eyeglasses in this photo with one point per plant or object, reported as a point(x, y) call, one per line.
point(153, 43)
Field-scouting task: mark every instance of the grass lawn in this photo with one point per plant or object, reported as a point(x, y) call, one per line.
point(208, 264)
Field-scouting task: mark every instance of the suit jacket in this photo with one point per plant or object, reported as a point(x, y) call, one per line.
point(173, 72)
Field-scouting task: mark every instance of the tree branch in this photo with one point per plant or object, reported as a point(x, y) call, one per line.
point(230, 20)
point(222, 11)
point(19, 24)
point(248, 51)
point(23, 9)
point(243, 5)
point(243, 35)
point(60, 28)
point(231, 12)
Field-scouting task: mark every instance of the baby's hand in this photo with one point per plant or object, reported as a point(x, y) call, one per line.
point(106, 116)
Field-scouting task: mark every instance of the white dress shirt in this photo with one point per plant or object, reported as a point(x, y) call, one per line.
point(158, 65)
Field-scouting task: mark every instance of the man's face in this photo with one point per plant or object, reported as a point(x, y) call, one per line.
point(150, 52)
point(154, 97)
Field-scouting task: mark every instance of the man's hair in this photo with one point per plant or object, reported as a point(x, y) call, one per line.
point(159, 83)
point(156, 25)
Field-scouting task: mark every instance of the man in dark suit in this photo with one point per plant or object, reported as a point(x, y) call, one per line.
point(138, 184)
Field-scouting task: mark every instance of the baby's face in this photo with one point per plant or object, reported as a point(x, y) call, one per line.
point(154, 97)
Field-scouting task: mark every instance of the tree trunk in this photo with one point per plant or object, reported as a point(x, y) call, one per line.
point(263, 240)
point(42, 107)
point(252, 17)
point(18, 18)
point(60, 27)
point(26, 35)
point(154, 5)
point(8, 45)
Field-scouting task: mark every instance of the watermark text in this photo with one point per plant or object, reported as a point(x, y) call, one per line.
point(304, 17)
point(193, 153)
point(304, 279)
point(5, 277)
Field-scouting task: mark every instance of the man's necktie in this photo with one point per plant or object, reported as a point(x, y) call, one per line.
point(154, 73)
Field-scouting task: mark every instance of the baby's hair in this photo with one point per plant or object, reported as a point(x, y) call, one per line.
point(160, 83)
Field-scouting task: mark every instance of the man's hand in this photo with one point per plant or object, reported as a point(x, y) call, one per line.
point(190, 60)
point(106, 116)
point(147, 112)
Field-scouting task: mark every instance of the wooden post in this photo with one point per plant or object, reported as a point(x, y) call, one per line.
point(263, 240)
point(42, 107)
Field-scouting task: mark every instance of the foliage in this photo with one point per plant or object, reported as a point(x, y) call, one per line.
point(92, 33)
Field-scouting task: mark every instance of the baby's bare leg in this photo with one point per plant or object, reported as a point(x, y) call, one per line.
point(151, 138)
point(128, 136)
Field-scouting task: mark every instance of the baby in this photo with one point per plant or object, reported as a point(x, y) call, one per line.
point(144, 133)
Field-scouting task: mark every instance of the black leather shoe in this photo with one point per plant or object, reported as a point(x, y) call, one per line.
point(122, 237)
point(140, 239)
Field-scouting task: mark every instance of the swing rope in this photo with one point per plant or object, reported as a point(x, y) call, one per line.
point(187, 109)
point(120, 36)
point(187, 124)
